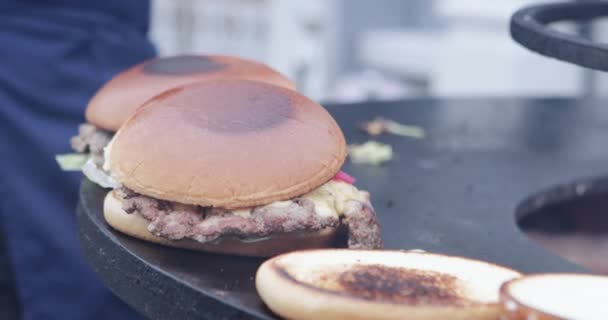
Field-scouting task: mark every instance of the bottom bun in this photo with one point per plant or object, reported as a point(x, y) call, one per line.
point(337, 284)
point(137, 226)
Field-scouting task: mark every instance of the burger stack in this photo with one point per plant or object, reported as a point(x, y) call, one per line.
point(221, 154)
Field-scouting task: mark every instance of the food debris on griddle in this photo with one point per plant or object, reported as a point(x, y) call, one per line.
point(381, 125)
point(372, 153)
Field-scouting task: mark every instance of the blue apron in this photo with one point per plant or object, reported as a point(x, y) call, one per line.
point(54, 55)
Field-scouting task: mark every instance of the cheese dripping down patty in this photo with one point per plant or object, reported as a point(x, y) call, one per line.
point(330, 199)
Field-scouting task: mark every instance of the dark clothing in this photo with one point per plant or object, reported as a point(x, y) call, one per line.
point(54, 55)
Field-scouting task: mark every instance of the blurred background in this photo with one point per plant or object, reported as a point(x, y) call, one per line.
point(351, 50)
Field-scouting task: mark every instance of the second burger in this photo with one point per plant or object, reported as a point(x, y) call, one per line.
point(116, 101)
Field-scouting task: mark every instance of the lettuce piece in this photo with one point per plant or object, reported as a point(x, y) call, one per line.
point(372, 153)
point(71, 161)
point(405, 130)
point(381, 125)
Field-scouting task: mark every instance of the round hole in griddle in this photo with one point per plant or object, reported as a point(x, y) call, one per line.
point(570, 220)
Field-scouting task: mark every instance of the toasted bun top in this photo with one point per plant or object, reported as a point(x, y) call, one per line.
point(121, 96)
point(227, 143)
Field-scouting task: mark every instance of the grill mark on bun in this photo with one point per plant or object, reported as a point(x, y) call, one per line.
point(388, 285)
point(181, 65)
point(239, 108)
point(400, 285)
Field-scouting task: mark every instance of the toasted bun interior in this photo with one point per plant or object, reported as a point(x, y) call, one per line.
point(120, 97)
point(556, 296)
point(228, 144)
point(360, 284)
point(136, 226)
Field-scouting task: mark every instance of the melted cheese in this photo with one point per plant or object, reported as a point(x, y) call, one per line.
point(243, 213)
point(281, 204)
point(246, 212)
point(331, 198)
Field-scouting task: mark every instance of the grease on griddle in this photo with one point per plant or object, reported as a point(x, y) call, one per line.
point(390, 203)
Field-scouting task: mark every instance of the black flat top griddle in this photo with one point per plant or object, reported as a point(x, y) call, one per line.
point(454, 192)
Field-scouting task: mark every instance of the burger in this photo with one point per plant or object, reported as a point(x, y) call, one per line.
point(236, 167)
point(118, 99)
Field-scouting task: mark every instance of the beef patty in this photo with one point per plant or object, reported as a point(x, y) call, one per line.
point(92, 140)
point(177, 221)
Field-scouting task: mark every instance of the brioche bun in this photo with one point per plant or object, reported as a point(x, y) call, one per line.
point(120, 97)
point(227, 143)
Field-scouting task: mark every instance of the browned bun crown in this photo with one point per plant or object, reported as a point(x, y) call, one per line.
point(121, 96)
point(227, 143)
point(136, 226)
